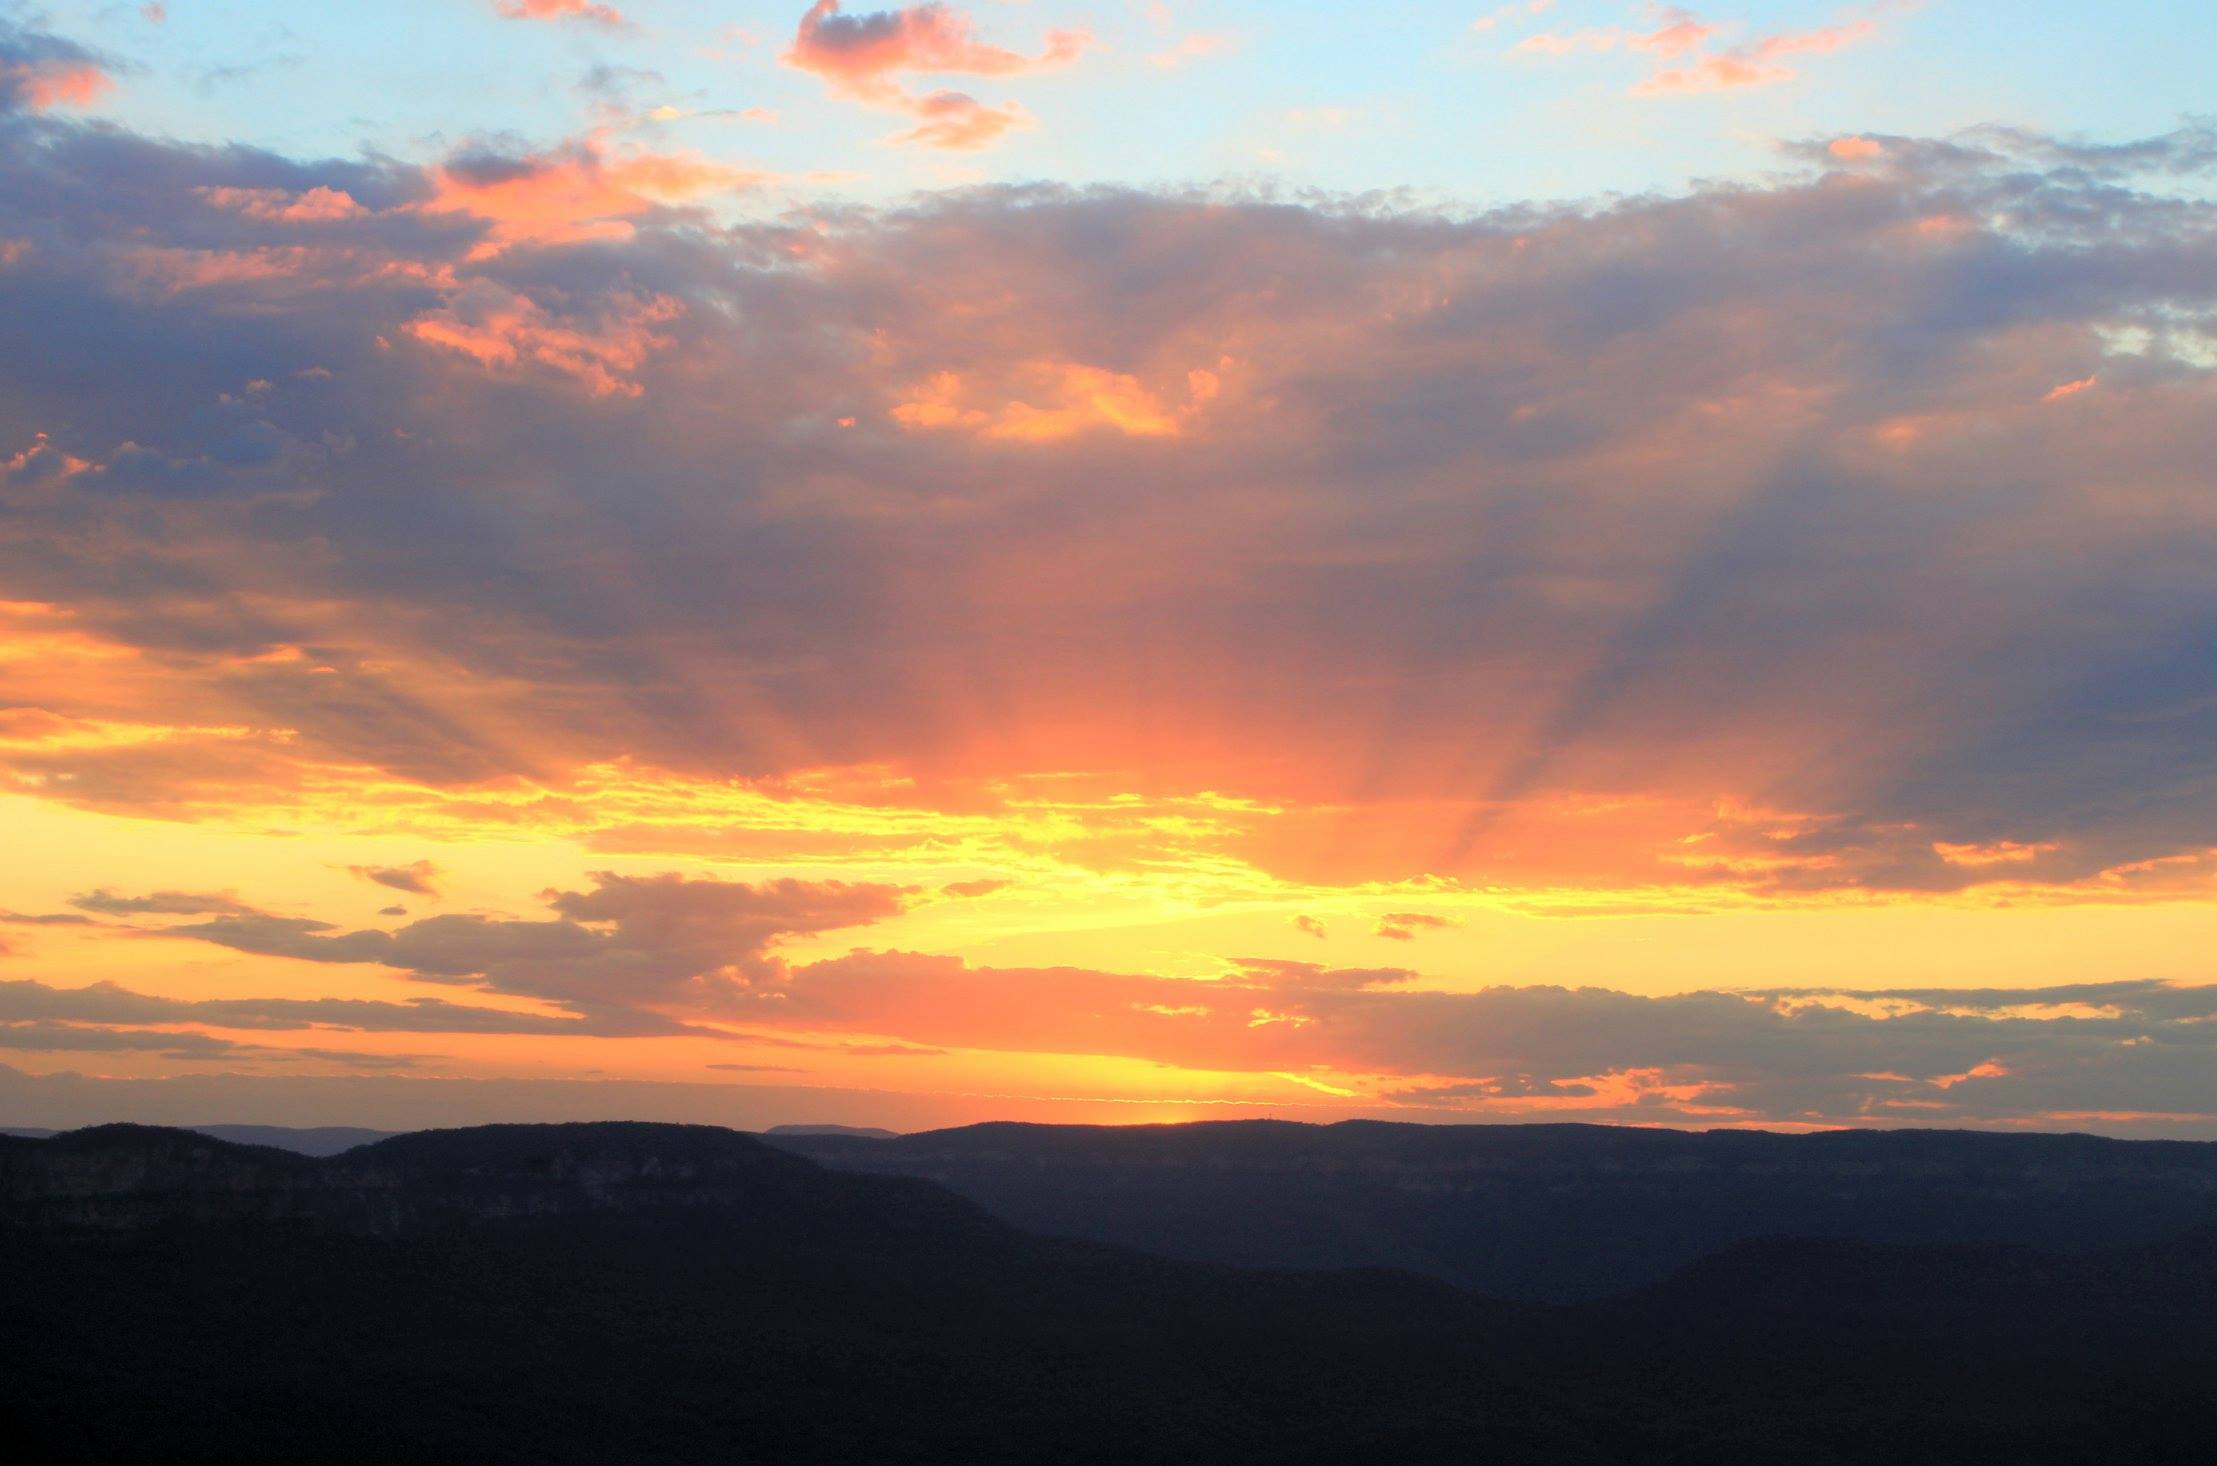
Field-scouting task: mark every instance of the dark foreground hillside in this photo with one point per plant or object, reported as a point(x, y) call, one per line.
point(1553, 1213)
point(671, 1294)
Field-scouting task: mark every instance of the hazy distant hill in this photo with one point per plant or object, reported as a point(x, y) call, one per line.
point(307, 1140)
point(681, 1294)
point(1542, 1212)
point(858, 1132)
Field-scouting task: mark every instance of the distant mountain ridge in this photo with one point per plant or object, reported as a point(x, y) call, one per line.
point(566, 1294)
point(124, 1177)
point(1542, 1212)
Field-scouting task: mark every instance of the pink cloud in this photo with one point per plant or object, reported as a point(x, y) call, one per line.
point(1712, 74)
point(1555, 43)
point(1189, 49)
point(1045, 401)
point(1816, 42)
point(1681, 31)
point(1681, 36)
point(1494, 18)
point(585, 10)
point(859, 57)
point(277, 205)
point(859, 54)
point(960, 122)
point(580, 191)
point(44, 84)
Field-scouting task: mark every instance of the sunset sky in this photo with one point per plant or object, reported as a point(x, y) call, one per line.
point(1109, 561)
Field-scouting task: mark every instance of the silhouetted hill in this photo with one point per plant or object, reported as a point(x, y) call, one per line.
point(1794, 1349)
point(1542, 1212)
point(131, 1177)
point(680, 1294)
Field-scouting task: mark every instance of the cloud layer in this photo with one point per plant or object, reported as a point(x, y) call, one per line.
point(1848, 532)
point(1838, 537)
point(642, 957)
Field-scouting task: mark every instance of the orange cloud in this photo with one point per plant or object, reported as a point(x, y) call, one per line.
point(585, 10)
point(1855, 149)
point(172, 271)
point(1060, 399)
point(41, 463)
point(502, 329)
point(580, 192)
point(2070, 389)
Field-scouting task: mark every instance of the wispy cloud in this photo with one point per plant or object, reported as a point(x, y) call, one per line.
point(1192, 47)
point(606, 16)
point(1688, 54)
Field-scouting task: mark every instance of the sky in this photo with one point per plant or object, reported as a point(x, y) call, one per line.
point(1109, 562)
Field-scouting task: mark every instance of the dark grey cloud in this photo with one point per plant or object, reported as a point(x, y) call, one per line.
point(1402, 926)
point(418, 878)
point(626, 955)
point(2120, 1050)
point(45, 918)
point(164, 903)
point(68, 1038)
point(71, 1038)
point(110, 1003)
point(67, 1099)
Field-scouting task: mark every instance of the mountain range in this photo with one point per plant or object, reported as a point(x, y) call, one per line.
point(1548, 1213)
point(680, 1294)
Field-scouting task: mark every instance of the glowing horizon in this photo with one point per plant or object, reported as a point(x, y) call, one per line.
point(801, 575)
